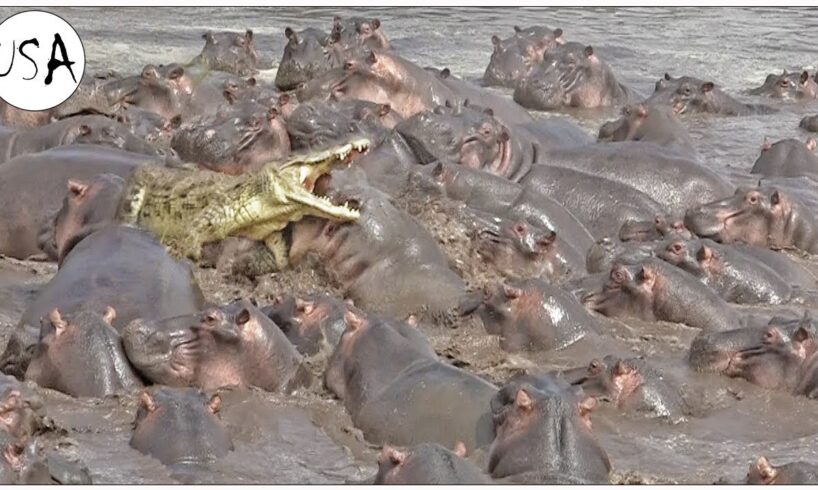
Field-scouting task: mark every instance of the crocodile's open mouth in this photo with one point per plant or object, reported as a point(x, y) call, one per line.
point(310, 167)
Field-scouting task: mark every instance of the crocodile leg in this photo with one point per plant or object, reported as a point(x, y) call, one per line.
point(275, 242)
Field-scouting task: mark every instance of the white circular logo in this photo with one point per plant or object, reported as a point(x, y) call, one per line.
point(42, 60)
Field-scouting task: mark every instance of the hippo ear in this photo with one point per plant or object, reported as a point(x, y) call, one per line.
point(775, 198)
point(248, 34)
point(557, 33)
point(176, 73)
point(704, 254)
point(518, 29)
point(438, 170)
point(175, 121)
point(668, 77)
point(392, 456)
point(495, 40)
point(336, 20)
point(372, 58)
point(214, 404)
point(804, 77)
point(353, 320)
point(384, 109)
point(811, 144)
point(243, 317)
point(109, 315)
point(589, 51)
point(57, 321)
point(707, 87)
point(77, 188)
point(460, 449)
point(305, 306)
point(523, 400)
point(376, 23)
point(208, 36)
point(412, 320)
point(801, 335)
point(283, 99)
point(765, 469)
point(147, 402)
point(349, 302)
point(765, 145)
point(511, 292)
point(642, 111)
point(647, 276)
point(445, 73)
point(621, 369)
point(289, 33)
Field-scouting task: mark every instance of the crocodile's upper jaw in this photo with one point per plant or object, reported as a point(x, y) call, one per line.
point(308, 168)
point(321, 206)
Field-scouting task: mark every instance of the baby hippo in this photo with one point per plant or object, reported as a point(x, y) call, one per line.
point(655, 290)
point(545, 437)
point(518, 249)
point(427, 464)
point(787, 158)
point(313, 323)
point(737, 278)
point(531, 315)
point(180, 425)
point(630, 385)
point(661, 228)
point(798, 473)
point(82, 356)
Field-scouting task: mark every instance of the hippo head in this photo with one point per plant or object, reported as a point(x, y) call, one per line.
point(356, 31)
point(775, 361)
point(422, 463)
point(232, 52)
point(87, 207)
point(149, 126)
point(610, 379)
point(155, 92)
point(678, 253)
point(751, 215)
point(156, 431)
point(685, 94)
point(762, 472)
point(311, 323)
point(512, 58)
point(164, 352)
point(235, 140)
point(374, 76)
point(662, 227)
point(235, 343)
point(629, 292)
point(533, 424)
point(519, 248)
point(316, 124)
point(23, 462)
point(788, 86)
point(459, 135)
point(21, 411)
point(305, 57)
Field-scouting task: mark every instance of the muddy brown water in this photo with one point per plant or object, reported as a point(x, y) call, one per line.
point(307, 437)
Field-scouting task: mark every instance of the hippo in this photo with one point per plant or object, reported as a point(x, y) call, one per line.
point(22, 410)
point(632, 385)
point(762, 472)
point(809, 123)
point(234, 345)
point(777, 360)
point(689, 95)
point(32, 188)
point(82, 356)
point(787, 158)
point(232, 52)
point(312, 323)
point(427, 464)
point(398, 392)
point(716, 351)
point(606, 252)
point(655, 290)
point(92, 130)
point(149, 126)
point(656, 124)
point(305, 57)
point(736, 277)
point(761, 216)
point(513, 57)
point(241, 139)
point(493, 194)
point(180, 425)
point(660, 228)
point(545, 437)
point(116, 266)
point(384, 242)
point(792, 86)
point(25, 462)
point(359, 31)
point(518, 249)
point(154, 89)
point(386, 78)
point(316, 124)
point(532, 315)
point(570, 75)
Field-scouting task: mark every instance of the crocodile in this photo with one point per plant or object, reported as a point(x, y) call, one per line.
point(186, 208)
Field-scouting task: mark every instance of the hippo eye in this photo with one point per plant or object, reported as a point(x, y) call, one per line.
point(618, 276)
point(752, 199)
point(784, 83)
point(240, 41)
point(211, 318)
point(519, 228)
point(676, 248)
